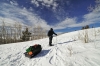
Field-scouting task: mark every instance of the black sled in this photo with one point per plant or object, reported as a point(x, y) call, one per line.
point(33, 51)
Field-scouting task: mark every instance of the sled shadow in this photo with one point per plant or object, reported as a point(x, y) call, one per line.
point(67, 42)
point(42, 53)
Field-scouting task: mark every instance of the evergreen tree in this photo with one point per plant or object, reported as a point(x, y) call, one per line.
point(26, 35)
point(87, 27)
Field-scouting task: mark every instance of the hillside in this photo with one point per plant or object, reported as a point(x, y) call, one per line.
point(69, 50)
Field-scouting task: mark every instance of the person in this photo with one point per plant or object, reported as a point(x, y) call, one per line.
point(50, 35)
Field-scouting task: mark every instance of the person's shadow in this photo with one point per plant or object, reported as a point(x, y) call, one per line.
point(67, 42)
point(42, 53)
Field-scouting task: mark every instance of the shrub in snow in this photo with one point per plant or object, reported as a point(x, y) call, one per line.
point(86, 38)
point(70, 50)
point(83, 35)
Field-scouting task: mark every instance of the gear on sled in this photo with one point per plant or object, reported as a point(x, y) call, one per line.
point(33, 51)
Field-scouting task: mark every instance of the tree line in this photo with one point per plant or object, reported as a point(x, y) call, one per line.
point(18, 33)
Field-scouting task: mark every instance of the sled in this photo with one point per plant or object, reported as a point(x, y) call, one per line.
point(33, 51)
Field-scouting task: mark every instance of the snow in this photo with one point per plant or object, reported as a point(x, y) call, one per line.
point(68, 50)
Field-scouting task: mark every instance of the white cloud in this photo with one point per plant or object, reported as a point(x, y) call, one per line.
point(97, 1)
point(91, 15)
point(94, 16)
point(66, 23)
point(9, 22)
point(54, 6)
point(50, 2)
point(36, 3)
point(13, 3)
point(90, 18)
point(47, 3)
point(31, 9)
point(84, 23)
point(13, 14)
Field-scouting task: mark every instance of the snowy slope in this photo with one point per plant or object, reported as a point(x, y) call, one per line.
point(68, 50)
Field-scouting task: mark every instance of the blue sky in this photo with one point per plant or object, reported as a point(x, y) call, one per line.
point(62, 15)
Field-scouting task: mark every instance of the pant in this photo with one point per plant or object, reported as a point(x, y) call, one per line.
point(50, 40)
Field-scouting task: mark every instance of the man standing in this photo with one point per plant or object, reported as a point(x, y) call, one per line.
point(50, 35)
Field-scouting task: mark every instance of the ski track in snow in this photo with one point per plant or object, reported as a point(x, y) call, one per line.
point(83, 54)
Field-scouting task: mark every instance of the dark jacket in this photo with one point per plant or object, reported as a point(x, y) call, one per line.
point(51, 32)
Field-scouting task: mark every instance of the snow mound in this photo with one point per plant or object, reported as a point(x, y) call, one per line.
point(68, 50)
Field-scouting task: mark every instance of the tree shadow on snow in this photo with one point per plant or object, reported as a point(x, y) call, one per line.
point(42, 53)
point(67, 42)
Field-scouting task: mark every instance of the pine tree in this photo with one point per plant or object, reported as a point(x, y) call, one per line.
point(26, 35)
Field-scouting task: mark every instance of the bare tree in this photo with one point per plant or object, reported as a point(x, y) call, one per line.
point(3, 32)
point(0, 35)
point(13, 33)
point(39, 32)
